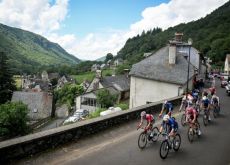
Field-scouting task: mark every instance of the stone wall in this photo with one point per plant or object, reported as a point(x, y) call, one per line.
point(38, 142)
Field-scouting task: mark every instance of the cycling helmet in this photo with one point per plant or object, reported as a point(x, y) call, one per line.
point(166, 118)
point(204, 98)
point(205, 93)
point(143, 113)
point(165, 101)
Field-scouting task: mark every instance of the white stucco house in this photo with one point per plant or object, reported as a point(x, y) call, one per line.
point(163, 74)
point(117, 85)
point(227, 64)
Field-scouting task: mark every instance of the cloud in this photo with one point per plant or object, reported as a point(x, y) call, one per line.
point(176, 11)
point(44, 18)
point(38, 16)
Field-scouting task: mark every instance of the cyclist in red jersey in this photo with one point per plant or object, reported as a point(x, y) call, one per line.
point(150, 121)
point(191, 117)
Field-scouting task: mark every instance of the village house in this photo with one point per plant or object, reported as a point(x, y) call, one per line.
point(227, 64)
point(39, 103)
point(119, 85)
point(117, 62)
point(163, 74)
point(64, 80)
point(95, 67)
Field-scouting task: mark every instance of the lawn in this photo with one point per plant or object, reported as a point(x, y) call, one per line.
point(18, 81)
point(90, 75)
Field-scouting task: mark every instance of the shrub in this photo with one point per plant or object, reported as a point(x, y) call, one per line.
point(96, 113)
point(123, 106)
point(13, 119)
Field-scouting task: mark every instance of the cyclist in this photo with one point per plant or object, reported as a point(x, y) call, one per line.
point(215, 101)
point(195, 95)
point(150, 121)
point(206, 104)
point(191, 117)
point(168, 106)
point(171, 123)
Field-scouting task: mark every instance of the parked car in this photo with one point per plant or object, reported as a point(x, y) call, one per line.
point(78, 115)
point(110, 111)
point(227, 87)
point(223, 83)
point(81, 113)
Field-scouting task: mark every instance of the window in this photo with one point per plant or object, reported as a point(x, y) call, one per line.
point(88, 101)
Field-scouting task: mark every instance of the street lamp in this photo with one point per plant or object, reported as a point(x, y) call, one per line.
point(189, 44)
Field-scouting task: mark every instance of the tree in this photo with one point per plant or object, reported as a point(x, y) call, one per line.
point(109, 56)
point(7, 83)
point(13, 119)
point(105, 99)
point(67, 94)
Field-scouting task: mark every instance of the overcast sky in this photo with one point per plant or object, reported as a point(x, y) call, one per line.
point(89, 29)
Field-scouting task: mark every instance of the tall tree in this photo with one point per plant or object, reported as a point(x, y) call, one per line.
point(7, 83)
point(109, 56)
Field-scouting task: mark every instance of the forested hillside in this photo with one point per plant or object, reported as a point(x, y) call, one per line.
point(27, 52)
point(211, 36)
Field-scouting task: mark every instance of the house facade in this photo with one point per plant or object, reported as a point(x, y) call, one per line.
point(118, 85)
point(227, 64)
point(164, 74)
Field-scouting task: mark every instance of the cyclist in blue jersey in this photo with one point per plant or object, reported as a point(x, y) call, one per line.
point(206, 105)
point(171, 124)
point(168, 107)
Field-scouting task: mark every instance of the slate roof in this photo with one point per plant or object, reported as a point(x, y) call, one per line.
point(119, 82)
point(156, 67)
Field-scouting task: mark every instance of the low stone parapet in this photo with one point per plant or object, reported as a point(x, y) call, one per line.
point(34, 143)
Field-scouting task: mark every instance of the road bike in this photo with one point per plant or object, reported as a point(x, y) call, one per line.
point(205, 117)
point(169, 143)
point(145, 136)
point(193, 130)
point(216, 110)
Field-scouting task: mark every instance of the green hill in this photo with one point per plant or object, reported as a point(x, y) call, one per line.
point(211, 36)
point(28, 51)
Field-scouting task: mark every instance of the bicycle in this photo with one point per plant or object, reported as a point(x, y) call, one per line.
point(144, 137)
point(169, 143)
point(205, 117)
point(193, 130)
point(216, 110)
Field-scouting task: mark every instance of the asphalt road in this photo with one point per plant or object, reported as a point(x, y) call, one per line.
point(118, 146)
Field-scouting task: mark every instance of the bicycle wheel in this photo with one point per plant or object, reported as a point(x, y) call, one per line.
point(205, 119)
point(183, 120)
point(215, 112)
point(190, 134)
point(176, 142)
point(198, 128)
point(142, 140)
point(164, 149)
point(155, 132)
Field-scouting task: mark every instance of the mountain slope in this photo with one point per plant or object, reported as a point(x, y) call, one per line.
point(211, 36)
point(28, 51)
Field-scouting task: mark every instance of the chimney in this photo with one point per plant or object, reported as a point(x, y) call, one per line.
point(178, 37)
point(98, 74)
point(172, 53)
